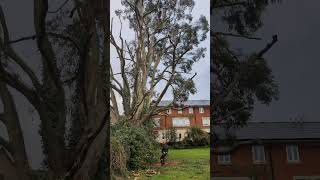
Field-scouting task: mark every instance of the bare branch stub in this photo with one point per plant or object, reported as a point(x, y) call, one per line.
point(60, 7)
point(235, 35)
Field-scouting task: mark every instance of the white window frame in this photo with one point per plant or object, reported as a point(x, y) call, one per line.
point(169, 111)
point(156, 122)
point(224, 159)
point(290, 151)
point(184, 122)
point(190, 110)
point(255, 149)
point(201, 110)
point(180, 110)
point(205, 118)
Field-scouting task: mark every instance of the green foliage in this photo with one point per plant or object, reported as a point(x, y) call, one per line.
point(244, 18)
point(196, 137)
point(171, 135)
point(255, 83)
point(118, 158)
point(140, 146)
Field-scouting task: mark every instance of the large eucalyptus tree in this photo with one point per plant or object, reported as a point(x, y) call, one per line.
point(159, 57)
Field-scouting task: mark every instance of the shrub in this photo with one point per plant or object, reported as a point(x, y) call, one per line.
point(196, 137)
point(139, 144)
point(171, 135)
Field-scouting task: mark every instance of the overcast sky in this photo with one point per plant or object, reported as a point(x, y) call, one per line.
point(294, 60)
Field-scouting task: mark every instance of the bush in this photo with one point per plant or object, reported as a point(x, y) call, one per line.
point(140, 146)
point(196, 137)
point(171, 135)
point(118, 159)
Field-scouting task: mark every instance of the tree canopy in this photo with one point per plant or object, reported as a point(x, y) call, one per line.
point(238, 79)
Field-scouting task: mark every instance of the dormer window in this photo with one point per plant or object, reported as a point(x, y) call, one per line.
point(205, 121)
point(258, 154)
point(201, 109)
point(190, 110)
point(293, 153)
point(156, 122)
point(179, 110)
point(224, 159)
point(169, 111)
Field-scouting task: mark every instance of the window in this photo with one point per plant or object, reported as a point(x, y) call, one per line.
point(190, 110)
point(205, 121)
point(156, 122)
point(179, 110)
point(293, 153)
point(224, 159)
point(258, 154)
point(169, 111)
point(201, 109)
point(180, 122)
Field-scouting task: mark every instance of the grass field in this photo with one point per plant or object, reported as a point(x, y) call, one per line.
point(184, 164)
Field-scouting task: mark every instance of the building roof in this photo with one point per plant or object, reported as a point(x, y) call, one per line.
point(275, 131)
point(187, 103)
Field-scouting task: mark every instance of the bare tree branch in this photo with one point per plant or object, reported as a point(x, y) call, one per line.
point(14, 82)
point(235, 35)
point(269, 45)
point(33, 37)
point(114, 103)
point(52, 34)
point(228, 5)
point(114, 79)
point(2, 118)
point(236, 78)
point(6, 144)
point(5, 45)
point(60, 7)
point(44, 45)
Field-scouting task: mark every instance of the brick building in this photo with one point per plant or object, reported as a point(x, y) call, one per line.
point(268, 151)
point(183, 116)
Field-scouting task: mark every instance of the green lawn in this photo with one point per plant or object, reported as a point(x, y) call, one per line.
point(186, 164)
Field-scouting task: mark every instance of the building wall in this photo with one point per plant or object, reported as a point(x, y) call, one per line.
point(242, 165)
point(195, 119)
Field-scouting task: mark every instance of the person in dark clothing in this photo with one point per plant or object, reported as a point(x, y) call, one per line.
point(164, 150)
